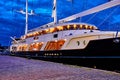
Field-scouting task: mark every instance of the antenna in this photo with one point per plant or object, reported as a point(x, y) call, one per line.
point(26, 23)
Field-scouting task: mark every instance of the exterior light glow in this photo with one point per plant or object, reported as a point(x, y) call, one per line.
point(86, 26)
point(42, 42)
point(52, 29)
point(74, 25)
point(81, 26)
point(65, 39)
point(68, 26)
point(55, 40)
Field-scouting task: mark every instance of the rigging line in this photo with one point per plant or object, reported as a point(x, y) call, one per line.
point(84, 8)
point(32, 15)
point(15, 16)
point(18, 2)
point(85, 4)
point(91, 17)
point(72, 2)
point(12, 9)
point(20, 30)
point(80, 18)
point(108, 16)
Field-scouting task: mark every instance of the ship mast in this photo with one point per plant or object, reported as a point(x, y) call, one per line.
point(84, 13)
point(26, 23)
point(54, 12)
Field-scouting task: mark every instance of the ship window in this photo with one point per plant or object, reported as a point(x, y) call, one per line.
point(85, 32)
point(57, 29)
point(52, 30)
point(78, 43)
point(83, 27)
point(70, 34)
point(35, 46)
point(77, 26)
point(71, 27)
point(88, 27)
point(65, 27)
point(92, 28)
point(74, 26)
point(40, 32)
point(55, 35)
point(14, 48)
point(44, 32)
point(60, 28)
point(84, 42)
point(24, 47)
point(68, 27)
point(36, 37)
point(54, 45)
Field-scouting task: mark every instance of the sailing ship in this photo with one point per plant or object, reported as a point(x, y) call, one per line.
point(64, 39)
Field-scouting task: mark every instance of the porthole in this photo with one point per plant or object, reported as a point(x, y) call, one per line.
point(55, 35)
point(84, 42)
point(78, 43)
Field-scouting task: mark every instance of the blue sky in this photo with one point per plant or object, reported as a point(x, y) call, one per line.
point(12, 23)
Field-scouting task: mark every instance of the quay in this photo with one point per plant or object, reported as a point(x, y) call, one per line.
point(17, 68)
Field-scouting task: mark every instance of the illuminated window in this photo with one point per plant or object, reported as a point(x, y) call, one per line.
point(35, 46)
point(71, 27)
point(77, 26)
point(54, 45)
point(83, 27)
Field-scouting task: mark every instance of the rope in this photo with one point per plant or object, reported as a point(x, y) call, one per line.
point(84, 8)
point(14, 17)
point(32, 15)
point(108, 16)
point(91, 17)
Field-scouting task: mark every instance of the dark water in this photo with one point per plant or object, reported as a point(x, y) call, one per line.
point(111, 64)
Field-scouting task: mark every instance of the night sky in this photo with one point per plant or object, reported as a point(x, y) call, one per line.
point(12, 23)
